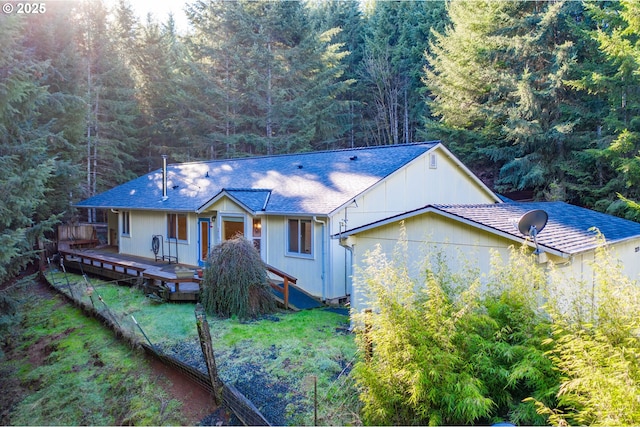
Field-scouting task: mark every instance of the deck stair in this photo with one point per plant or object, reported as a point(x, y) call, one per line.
point(298, 299)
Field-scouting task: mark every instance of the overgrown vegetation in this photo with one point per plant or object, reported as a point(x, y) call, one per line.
point(64, 368)
point(236, 282)
point(531, 348)
point(273, 360)
point(596, 348)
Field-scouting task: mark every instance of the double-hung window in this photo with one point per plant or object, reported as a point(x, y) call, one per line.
point(126, 223)
point(300, 237)
point(177, 226)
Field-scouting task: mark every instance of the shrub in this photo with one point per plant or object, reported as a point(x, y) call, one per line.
point(416, 375)
point(235, 281)
point(596, 348)
point(535, 347)
point(442, 352)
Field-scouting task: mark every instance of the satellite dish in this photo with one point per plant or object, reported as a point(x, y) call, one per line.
point(532, 223)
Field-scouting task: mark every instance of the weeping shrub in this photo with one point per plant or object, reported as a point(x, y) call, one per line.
point(235, 281)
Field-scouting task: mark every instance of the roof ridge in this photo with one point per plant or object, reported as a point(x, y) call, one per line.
point(256, 190)
point(337, 150)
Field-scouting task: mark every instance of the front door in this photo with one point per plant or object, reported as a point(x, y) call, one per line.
point(204, 239)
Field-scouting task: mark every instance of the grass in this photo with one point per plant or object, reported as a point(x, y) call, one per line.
point(274, 361)
point(73, 371)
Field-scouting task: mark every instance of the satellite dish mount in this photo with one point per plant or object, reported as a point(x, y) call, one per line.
point(532, 223)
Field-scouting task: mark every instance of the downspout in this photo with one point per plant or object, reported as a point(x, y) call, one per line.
point(324, 279)
point(347, 265)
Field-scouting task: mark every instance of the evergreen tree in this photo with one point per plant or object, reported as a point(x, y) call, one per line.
point(397, 38)
point(236, 282)
point(616, 81)
point(344, 21)
point(497, 79)
point(269, 80)
point(111, 139)
point(159, 64)
point(24, 158)
point(49, 39)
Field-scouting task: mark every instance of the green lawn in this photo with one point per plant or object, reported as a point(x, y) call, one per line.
point(67, 369)
point(273, 361)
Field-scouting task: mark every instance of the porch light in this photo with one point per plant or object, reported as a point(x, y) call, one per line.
point(257, 227)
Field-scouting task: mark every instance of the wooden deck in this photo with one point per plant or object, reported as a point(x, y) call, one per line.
point(173, 282)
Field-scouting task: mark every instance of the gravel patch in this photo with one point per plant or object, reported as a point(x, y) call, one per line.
point(277, 399)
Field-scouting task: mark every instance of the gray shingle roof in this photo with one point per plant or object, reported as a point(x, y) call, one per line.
point(307, 183)
point(567, 230)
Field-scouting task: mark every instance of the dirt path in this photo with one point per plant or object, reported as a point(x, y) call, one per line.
point(197, 402)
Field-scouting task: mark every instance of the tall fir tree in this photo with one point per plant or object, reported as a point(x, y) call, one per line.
point(270, 80)
point(615, 80)
point(497, 77)
point(346, 24)
point(51, 42)
point(26, 164)
point(111, 134)
point(398, 35)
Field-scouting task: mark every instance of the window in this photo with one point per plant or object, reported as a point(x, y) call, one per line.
point(177, 226)
point(257, 233)
point(126, 223)
point(300, 236)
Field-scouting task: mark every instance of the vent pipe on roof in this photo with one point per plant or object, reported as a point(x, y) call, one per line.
point(164, 177)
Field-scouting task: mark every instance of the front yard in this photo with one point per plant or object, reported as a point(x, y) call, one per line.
point(273, 361)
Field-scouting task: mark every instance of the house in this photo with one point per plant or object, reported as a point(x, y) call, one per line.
point(290, 206)
point(468, 232)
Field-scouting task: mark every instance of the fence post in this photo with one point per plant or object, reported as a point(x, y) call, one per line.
point(207, 349)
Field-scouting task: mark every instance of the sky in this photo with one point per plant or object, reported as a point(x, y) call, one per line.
point(160, 9)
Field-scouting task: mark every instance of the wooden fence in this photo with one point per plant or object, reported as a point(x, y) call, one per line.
point(232, 398)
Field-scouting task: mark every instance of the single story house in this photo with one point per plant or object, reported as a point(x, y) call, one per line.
point(288, 205)
point(467, 233)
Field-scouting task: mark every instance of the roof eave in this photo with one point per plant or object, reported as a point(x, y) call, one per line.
point(129, 208)
point(432, 209)
point(504, 234)
point(219, 196)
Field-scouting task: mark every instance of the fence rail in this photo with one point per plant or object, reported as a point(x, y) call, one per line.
point(232, 398)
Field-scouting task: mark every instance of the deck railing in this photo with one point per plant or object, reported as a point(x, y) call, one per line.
point(286, 278)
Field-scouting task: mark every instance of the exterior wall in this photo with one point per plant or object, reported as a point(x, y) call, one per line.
point(412, 187)
point(579, 267)
point(308, 270)
point(313, 273)
point(146, 224)
point(464, 245)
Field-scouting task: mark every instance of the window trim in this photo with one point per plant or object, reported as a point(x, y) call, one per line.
point(300, 242)
point(175, 234)
point(125, 226)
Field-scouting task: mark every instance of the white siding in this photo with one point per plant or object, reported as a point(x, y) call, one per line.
point(464, 245)
point(327, 274)
point(146, 224)
point(413, 187)
point(308, 270)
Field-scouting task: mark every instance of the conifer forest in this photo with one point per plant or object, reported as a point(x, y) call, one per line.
point(541, 96)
